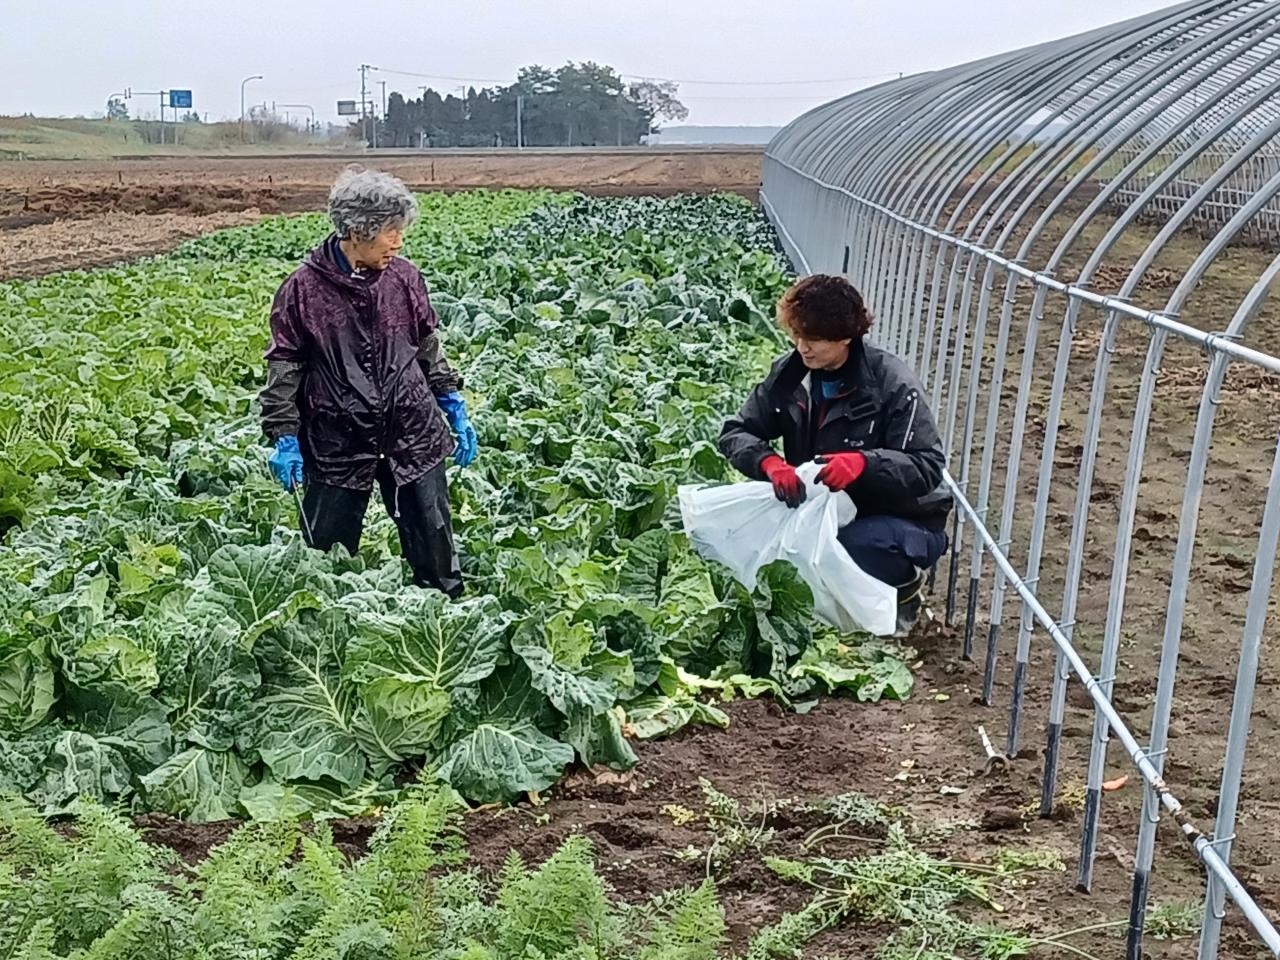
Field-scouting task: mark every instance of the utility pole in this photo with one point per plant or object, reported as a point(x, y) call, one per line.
point(520, 121)
point(422, 96)
point(161, 94)
point(364, 100)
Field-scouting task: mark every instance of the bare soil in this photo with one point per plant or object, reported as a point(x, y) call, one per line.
point(103, 240)
point(201, 185)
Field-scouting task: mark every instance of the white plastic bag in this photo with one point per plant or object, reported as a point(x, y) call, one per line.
point(745, 527)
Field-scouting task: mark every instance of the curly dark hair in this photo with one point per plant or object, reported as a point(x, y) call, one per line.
point(824, 307)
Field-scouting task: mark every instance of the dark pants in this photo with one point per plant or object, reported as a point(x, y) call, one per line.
point(891, 548)
point(420, 510)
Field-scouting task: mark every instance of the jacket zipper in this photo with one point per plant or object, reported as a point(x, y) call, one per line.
point(375, 373)
point(810, 428)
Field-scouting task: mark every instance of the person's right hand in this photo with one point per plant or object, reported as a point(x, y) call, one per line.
point(286, 462)
point(787, 485)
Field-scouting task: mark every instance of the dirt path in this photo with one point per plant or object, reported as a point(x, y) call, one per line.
point(1230, 512)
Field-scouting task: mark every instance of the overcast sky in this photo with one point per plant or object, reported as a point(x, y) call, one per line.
point(65, 57)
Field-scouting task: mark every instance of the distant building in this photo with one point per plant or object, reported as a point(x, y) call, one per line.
point(711, 135)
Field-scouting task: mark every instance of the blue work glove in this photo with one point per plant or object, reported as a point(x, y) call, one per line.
point(286, 462)
point(455, 408)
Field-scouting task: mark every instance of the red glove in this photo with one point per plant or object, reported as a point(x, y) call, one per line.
point(842, 470)
point(787, 485)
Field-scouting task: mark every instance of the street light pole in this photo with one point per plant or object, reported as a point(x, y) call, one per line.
point(256, 76)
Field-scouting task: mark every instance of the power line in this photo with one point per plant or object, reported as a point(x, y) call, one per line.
point(650, 77)
point(438, 76)
point(761, 83)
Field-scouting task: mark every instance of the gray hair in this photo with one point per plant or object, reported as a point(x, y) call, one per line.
point(363, 203)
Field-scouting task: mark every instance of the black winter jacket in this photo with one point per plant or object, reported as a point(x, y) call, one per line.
point(880, 410)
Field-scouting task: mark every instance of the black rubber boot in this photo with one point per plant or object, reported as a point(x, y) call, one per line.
point(910, 602)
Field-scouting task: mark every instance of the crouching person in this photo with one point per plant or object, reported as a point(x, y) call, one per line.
point(860, 412)
point(358, 390)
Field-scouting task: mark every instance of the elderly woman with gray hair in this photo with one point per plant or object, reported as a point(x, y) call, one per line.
point(358, 389)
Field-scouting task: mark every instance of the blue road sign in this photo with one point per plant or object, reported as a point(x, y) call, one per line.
point(180, 99)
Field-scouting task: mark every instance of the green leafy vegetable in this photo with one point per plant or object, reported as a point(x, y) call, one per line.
point(307, 727)
point(197, 784)
point(502, 750)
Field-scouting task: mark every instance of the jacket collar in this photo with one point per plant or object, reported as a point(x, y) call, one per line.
point(328, 261)
point(853, 375)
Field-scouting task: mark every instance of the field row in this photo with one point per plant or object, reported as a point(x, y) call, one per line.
point(167, 640)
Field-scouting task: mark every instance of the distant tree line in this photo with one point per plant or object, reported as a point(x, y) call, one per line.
point(582, 104)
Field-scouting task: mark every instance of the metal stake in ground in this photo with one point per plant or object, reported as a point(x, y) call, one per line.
point(302, 514)
point(995, 760)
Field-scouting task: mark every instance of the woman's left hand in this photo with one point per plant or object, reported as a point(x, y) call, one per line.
point(455, 408)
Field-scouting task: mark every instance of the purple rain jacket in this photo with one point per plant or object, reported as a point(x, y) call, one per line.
point(353, 369)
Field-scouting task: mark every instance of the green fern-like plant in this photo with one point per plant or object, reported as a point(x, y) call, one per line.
point(693, 929)
point(786, 937)
point(318, 882)
point(74, 888)
point(466, 910)
point(37, 943)
point(418, 835)
point(734, 831)
point(272, 891)
point(242, 884)
point(351, 924)
point(556, 908)
point(25, 838)
point(155, 926)
point(387, 904)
